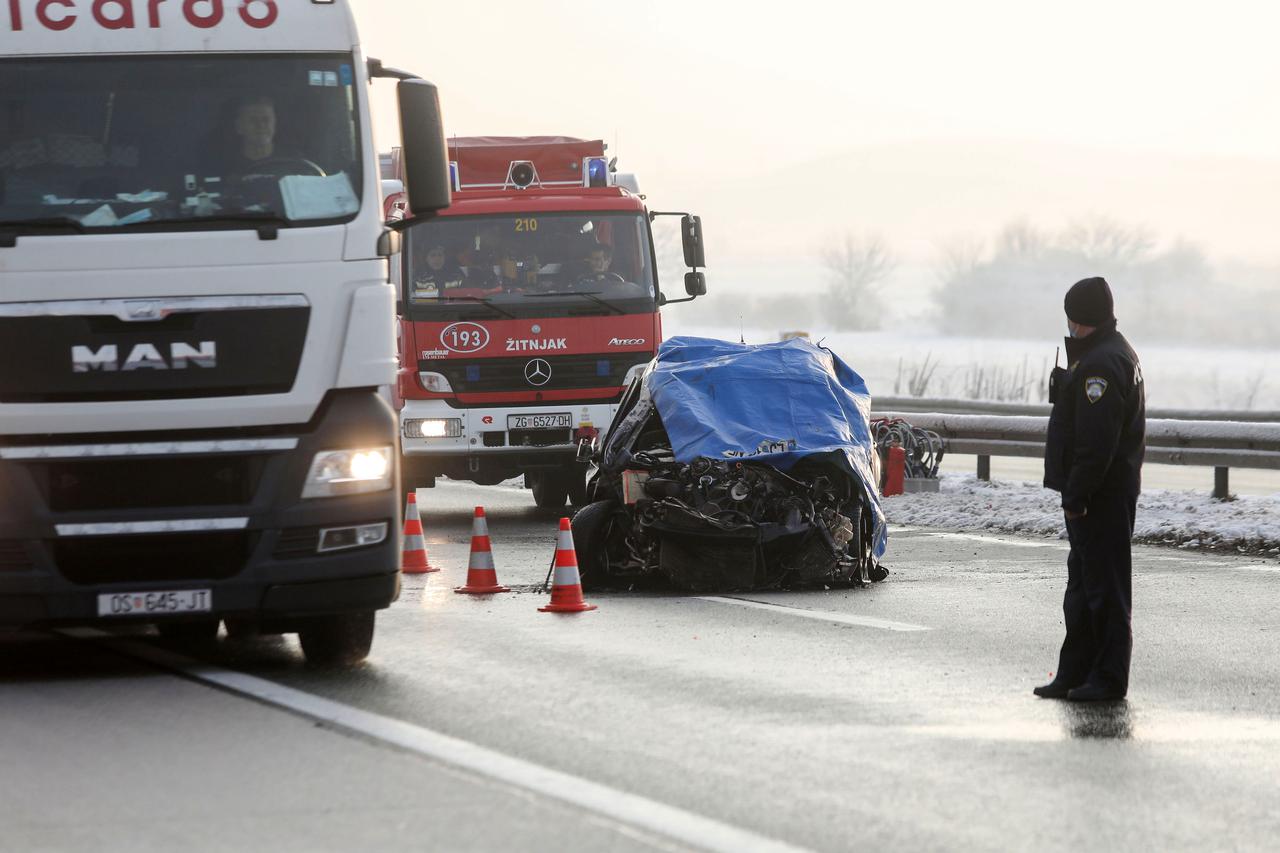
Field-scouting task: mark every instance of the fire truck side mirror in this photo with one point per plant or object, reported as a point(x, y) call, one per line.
point(424, 157)
point(695, 254)
point(695, 284)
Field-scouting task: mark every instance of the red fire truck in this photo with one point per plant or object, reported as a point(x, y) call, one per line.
point(526, 308)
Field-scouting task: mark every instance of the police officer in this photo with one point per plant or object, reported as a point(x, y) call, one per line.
point(1093, 456)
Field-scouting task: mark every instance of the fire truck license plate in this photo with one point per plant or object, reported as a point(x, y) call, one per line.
point(140, 603)
point(560, 420)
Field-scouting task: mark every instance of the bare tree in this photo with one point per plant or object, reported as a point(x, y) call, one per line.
point(856, 266)
point(1104, 241)
point(958, 257)
point(1023, 241)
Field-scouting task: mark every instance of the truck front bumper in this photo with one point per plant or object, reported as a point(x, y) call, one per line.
point(122, 515)
point(484, 431)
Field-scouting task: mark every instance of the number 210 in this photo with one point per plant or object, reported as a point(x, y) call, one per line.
point(526, 225)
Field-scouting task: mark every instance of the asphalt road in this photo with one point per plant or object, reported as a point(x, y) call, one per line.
point(895, 717)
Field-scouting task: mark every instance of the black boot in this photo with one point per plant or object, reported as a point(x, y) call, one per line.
point(1053, 690)
point(1095, 693)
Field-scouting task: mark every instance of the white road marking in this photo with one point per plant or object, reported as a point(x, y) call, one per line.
point(1183, 557)
point(978, 537)
point(819, 615)
point(630, 810)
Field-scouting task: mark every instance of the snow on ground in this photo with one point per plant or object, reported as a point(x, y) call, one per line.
point(1177, 376)
point(1182, 519)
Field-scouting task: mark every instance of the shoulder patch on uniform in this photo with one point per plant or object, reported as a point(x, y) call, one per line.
point(1094, 388)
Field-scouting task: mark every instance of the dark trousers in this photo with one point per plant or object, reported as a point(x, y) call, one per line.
point(1099, 599)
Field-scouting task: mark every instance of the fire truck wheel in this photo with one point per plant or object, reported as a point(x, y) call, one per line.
point(550, 489)
point(414, 474)
point(338, 639)
point(577, 487)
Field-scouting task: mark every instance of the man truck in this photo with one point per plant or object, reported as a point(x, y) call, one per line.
point(526, 308)
point(196, 318)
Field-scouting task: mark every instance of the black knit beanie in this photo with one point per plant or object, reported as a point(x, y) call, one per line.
point(1089, 302)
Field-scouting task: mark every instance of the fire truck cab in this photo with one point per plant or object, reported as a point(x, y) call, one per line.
point(525, 309)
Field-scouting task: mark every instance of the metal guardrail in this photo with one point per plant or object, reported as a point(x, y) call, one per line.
point(983, 407)
point(1219, 444)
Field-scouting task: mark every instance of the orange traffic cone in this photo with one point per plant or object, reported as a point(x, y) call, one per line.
point(566, 590)
point(482, 577)
point(413, 554)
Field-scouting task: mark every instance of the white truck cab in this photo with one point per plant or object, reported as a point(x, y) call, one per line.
point(197, 332)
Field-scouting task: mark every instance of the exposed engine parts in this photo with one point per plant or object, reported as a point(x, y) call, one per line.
point(721, 525)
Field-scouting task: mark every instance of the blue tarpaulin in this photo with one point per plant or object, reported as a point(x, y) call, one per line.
point(773, 403)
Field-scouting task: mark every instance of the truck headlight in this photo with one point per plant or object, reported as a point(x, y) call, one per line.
point(349, 472)
point(433, 428)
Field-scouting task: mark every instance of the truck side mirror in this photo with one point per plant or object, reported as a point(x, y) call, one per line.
point(695, 284)
point(425, 158)
point(695, 254)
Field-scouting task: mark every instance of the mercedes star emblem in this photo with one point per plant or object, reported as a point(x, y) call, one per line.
point(537, 372)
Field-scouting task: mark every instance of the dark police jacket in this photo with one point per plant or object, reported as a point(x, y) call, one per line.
point(1097, 431)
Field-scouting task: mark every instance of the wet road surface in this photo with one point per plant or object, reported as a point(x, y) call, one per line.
point(898, 716)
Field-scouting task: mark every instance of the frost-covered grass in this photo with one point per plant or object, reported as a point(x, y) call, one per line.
point(1182, 519)
point(1178, 377)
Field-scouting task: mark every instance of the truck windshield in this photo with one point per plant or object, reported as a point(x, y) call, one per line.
point(539, 265)
point(193, 142)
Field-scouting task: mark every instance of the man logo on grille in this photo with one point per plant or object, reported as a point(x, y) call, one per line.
point(537, 372)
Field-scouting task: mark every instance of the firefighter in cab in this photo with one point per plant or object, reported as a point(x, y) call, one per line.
point(439, 275)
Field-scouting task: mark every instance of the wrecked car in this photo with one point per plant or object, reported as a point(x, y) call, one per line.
point(736, 467)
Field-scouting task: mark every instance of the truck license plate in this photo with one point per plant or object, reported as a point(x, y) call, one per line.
point(559, 420)
point(146, 603)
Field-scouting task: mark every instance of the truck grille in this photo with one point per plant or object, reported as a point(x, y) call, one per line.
point(146, 559)
point(203, 349)
point(568, 372)
point(85, 485)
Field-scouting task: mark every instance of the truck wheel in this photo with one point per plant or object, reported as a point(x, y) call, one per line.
point(338, 639)
point(591, 541)
point(550, 489)
point(577, 487)
point(204, 631)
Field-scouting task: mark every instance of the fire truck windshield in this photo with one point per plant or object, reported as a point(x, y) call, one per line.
point(535, 265)
point(173, 143)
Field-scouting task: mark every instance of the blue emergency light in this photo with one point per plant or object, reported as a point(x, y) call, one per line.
point(455, 177)
point(597, 172)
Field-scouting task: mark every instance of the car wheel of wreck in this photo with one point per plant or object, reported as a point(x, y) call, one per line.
point(591, 528)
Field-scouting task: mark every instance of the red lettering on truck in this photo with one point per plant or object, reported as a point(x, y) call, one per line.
point(207, 20)
point(262, 19)
point(123, 19)
point(56, 24)
point(59, 15)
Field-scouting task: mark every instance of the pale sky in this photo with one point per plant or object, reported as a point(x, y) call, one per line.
point(787, 123)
